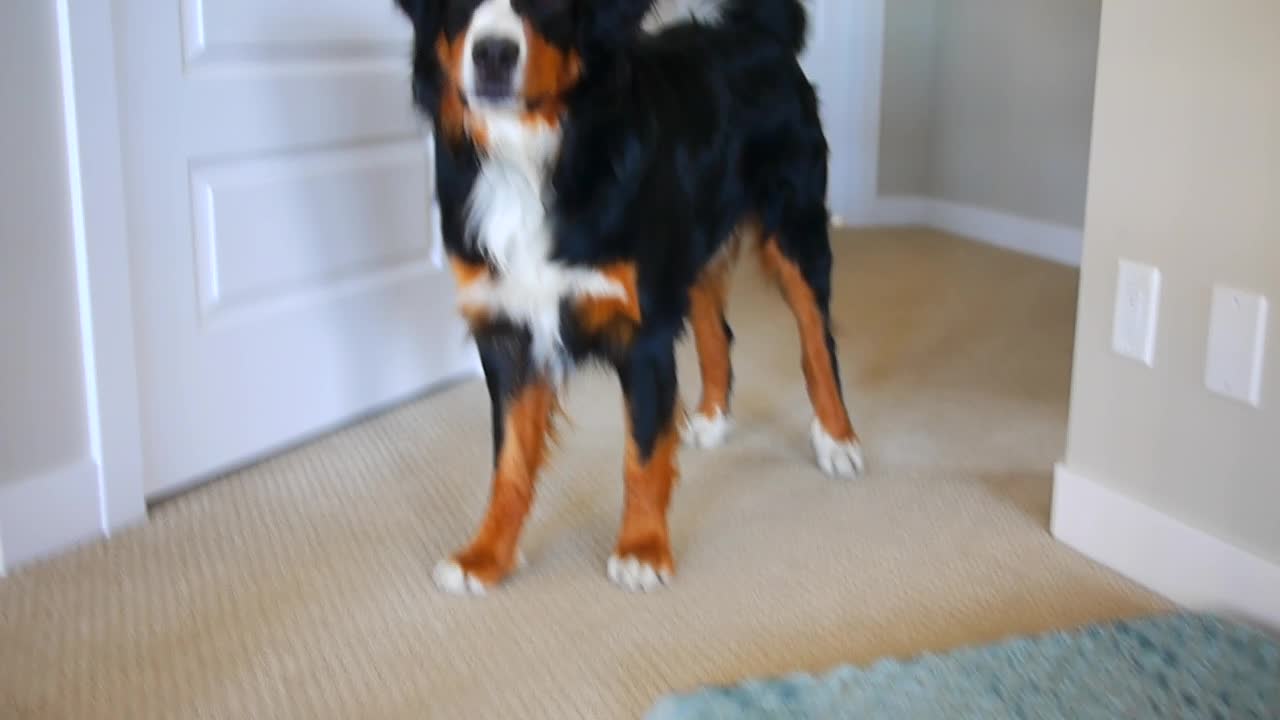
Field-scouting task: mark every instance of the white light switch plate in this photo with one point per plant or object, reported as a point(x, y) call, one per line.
point(1137, 313)
point(1237, 343)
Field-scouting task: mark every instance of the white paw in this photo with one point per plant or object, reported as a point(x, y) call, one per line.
point(837, 458)
point(629, 573)
point(701, 431)
point(451, 578)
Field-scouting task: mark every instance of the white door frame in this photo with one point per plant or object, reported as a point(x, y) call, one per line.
point(87, 55)
point(859, 25)
point(86, 43)
point(867, 37)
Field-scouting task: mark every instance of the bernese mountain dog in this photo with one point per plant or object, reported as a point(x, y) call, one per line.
point(596, 181)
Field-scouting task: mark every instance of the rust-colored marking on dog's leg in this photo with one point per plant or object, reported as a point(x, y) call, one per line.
point(707, 302)
point(619, 315)
point(819, 370)
point(649, 485)
point(491, 555)
point(468, 276)
point(466, 272)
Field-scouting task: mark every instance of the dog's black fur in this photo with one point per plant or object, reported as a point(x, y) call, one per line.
point(671, 141)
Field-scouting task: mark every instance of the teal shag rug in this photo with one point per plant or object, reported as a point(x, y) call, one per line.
point(1174, 667)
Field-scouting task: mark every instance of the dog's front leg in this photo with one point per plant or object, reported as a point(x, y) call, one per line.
point(523, 401)
point(642, 560)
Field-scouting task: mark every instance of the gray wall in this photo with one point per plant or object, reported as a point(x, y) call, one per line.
point(42, 400)
point(1186, 177)
point(989, 103)
point(907, 97)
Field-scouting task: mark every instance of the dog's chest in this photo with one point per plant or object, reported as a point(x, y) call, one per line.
point(509, 223)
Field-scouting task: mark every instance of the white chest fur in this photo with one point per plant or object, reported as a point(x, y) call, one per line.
point(507, 220)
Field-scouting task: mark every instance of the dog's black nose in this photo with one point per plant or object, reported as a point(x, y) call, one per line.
point(495, 58)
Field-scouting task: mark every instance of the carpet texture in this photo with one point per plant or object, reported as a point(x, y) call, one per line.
point(1169, 667)
point(300, 587)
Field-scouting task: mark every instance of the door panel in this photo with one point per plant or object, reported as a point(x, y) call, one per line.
point(239, 28)
point(281, 225)
point(328, 215)
point(293, 104)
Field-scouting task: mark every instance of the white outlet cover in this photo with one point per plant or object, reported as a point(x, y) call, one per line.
point(1137, 312)
point(1237, 345)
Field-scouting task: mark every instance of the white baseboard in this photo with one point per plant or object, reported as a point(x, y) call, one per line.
point(1190, 567)
point(47, 513)
point(1049, 241)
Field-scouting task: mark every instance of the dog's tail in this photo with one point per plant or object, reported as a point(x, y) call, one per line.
point(782, 21)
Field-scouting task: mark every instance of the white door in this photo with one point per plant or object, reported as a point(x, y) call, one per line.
point(285, 264)
point(843, 59)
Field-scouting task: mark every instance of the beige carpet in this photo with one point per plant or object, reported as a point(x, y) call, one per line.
point(300, 588)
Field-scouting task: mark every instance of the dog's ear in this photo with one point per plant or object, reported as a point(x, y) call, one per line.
point(411, 8)
point(425, 15)
point(610, 25)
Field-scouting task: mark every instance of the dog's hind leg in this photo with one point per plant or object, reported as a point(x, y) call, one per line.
point(708, 425)
point(799, 259)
